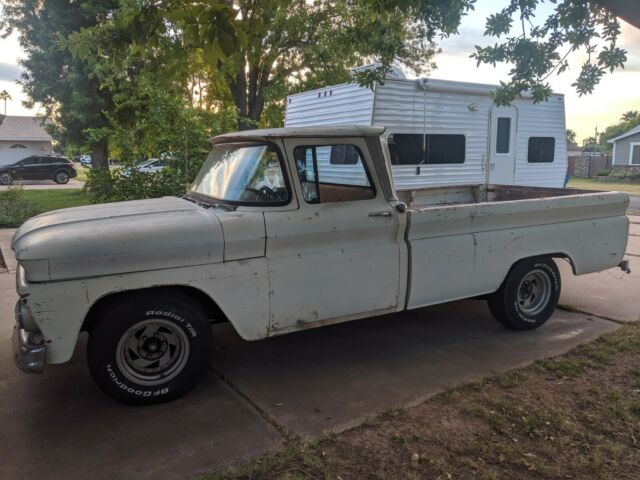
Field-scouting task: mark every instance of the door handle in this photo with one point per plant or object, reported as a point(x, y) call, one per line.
point(384, 213)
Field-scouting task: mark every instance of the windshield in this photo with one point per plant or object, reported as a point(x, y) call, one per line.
point(248, 173)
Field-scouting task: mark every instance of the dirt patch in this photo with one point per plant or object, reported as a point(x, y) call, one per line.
point(572, 417)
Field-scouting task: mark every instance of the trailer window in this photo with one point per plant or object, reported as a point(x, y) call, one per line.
point(445, 149)
point(322, 181)
point(416, 149)
point(541, 149)
point(503, 135)
point(634, 154)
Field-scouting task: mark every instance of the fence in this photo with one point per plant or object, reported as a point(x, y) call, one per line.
point(588, 166)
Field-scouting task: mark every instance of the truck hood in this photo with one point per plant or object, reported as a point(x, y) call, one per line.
point(118, 237)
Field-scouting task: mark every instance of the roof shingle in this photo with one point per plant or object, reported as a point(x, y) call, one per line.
point(23, 129)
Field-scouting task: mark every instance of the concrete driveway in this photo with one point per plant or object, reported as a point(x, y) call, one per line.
point(634, 204)
point(257, 394)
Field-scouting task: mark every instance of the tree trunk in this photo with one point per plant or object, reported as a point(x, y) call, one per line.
point(100, 156)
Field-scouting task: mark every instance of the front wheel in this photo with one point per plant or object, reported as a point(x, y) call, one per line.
point(529, 294)
point(149, 347)
point(6, 179)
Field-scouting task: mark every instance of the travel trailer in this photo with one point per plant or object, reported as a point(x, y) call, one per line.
point(442, 132)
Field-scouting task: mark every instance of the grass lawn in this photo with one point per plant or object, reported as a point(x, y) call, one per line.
point(590, 184)
point(576, 416)
point(82, 173)
point(16, 206)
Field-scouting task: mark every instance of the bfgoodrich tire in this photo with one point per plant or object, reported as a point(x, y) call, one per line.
point(529, 294)
point(149, 348)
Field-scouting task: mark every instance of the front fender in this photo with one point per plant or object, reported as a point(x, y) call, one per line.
point(239, 289)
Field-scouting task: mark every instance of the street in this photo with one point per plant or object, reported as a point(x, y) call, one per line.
point(257, 394)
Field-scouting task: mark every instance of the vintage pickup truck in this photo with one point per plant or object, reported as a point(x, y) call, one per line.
point(273, 241)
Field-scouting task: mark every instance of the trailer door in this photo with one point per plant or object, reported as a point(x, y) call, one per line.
point(502, 145)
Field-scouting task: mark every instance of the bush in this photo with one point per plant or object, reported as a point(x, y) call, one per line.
point(115, 185)
point(626, 175)
point(14, 208)
point(603, 173)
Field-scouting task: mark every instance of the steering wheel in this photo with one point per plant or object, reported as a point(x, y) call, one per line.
point(263, 193)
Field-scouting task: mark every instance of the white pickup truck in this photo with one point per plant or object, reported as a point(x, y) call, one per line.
point(271, 240)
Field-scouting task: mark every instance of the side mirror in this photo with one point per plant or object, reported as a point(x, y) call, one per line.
point(401, 207)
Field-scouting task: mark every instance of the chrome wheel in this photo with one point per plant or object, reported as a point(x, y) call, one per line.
point(62, 177)
point(5, 179)
point(152, 352)
point(534, 292)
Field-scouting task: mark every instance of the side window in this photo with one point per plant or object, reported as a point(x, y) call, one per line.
point(430, 149)
point(47, 160)
point(406, 149)
point(503, 135)
point(344, 155)
point(324, 181)
point(634, 153)
point(541, 149)
point(445, 149)
point(30, 161)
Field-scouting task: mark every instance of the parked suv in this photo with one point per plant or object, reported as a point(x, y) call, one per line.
point(38, 167)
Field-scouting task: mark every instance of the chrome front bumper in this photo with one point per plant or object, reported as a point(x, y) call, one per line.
point(28, 347)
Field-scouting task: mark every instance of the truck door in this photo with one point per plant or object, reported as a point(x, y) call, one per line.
point(502, 136)
point(337, 257)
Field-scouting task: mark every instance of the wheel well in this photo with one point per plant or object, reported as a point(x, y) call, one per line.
point(211, 308)
point(561, 255)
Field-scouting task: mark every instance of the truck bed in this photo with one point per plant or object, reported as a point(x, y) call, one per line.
point(474, 234)
point(463, 194)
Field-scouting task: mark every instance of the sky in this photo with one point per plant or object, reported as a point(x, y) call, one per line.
point(616, 93)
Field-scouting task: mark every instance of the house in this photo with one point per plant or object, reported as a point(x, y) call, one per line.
point(573, 150)
point(626, 150)
point(21, 137)
point(443, 132)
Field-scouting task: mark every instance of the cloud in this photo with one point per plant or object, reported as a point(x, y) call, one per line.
point(9, 72)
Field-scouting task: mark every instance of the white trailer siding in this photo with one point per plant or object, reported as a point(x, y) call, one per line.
point(346, 104)
point(402, 107)
point(546, 119)
point(441, 107)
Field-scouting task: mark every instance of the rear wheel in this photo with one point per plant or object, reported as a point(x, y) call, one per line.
point(529, 294)
point(149, 348)
point(6, 179)
point(61, 177)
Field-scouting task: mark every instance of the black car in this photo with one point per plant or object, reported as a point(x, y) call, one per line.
point(38, 167)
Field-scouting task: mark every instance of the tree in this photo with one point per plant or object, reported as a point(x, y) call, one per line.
point(62, 83)
point(4, 95)
point(260, 49)
point(537, 49)
point(571, 136)
point(628, 120)
point(250, 53)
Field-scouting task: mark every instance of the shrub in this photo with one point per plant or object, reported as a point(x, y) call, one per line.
point(116, 185)
point(14, 208)
point(603, 173)
point(626, 175)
